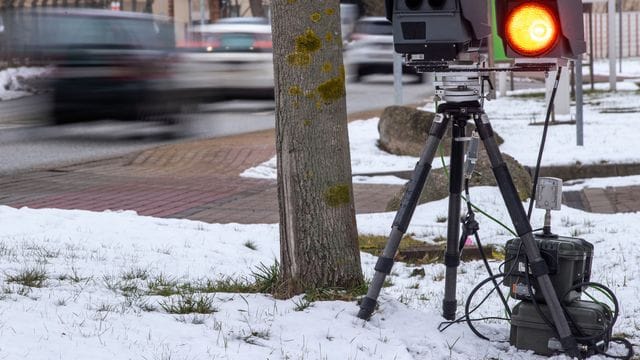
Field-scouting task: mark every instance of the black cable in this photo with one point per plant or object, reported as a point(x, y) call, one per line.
point(608, 330)
point(544, 140)
point(468, 304)
point(471, 228)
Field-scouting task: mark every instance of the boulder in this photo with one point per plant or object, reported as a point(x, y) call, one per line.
point(403, 131)
point(437, 186)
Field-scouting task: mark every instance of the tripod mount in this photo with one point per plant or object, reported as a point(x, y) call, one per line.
point(461, 91)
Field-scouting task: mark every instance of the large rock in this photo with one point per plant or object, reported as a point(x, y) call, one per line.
point(403, 131)
point(437, 186)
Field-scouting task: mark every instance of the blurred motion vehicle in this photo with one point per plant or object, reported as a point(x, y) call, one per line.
point(107, 64)
point(230, 59)
point(348, 17)
point(370, 49)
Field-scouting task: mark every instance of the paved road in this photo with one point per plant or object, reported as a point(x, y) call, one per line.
point(25, 144)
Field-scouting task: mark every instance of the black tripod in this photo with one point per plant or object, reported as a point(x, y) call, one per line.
point(463, 105)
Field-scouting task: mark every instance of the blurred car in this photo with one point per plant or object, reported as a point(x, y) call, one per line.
point(256, 20)
point(107, 64)
point(370, 49)
point(229, 60)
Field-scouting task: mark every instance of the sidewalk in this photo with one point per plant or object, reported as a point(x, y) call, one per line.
point(196, 180)
point(200, 180)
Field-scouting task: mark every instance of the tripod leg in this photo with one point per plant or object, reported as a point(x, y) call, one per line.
point(452, 255)
point(403, 216)
point(524, 231)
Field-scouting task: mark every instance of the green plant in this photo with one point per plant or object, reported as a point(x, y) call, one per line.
point(301, 304)
point(189, 304)
point(266, 277)
point(31, 277)
point(251, 245)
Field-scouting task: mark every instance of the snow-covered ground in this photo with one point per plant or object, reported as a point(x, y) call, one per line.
point(101, 276)
point(97, 270)
point(12, 81)
point(608, 135)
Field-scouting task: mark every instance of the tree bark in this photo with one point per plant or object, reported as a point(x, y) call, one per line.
point(257, 8)
point(318, 234)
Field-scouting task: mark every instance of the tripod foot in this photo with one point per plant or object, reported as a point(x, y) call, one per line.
point(366, 308)
point(449, 309)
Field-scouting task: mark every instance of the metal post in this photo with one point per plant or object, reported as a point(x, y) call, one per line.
point(397, 78)
point(611, 39)
point(591, 49)
point(579, 103)
point(620, 33)
point(202, 12)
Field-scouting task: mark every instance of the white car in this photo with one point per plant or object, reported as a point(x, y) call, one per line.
point(370, 49)
point(228, 61)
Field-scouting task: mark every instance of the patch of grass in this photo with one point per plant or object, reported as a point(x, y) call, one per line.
point(162, 285)
point(266, 277)
point(301, 304)
point(336, 294)
point(440, 239)
point(73, 277)
point(417, 272)
point(251, 245)
point(31, 277)
point(189, 304)
point(135, 273)
point(387, 283)
point(441, 219)
point(263, 279)
point(374, 244)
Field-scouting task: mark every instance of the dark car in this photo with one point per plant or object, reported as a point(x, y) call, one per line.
point(370, 49)
point(107, 64)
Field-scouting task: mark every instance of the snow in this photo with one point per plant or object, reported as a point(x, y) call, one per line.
point(608, 135)
point(83, 310)
point(11, 81)
point(86, 318)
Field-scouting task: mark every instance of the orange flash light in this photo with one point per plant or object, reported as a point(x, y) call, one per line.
point(532, 29)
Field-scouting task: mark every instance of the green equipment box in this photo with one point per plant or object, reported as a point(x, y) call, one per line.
point(530, 332)
point(569, 261)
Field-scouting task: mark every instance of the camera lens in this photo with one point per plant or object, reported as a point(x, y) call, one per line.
point(413, 4)
point(437, 3)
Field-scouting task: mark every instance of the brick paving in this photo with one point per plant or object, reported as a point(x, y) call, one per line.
point(200, 180)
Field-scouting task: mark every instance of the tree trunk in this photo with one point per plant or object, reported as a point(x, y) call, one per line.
point(148, 6)
point(257, 9)
point(318, 234)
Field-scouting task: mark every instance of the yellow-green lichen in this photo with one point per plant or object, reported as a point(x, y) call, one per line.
point(329, 11)
point(308, 42)
point(316, 17)
point(299, 58)
point(332, 89)
point(306, 122)
point(328, 37)
point(337, 195)
point(295, 90)
point(327, 67)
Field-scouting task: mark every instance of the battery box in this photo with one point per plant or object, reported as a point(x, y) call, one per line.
point(569, 261)
point(530, 332)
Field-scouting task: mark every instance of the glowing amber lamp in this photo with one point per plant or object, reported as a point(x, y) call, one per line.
point(532, 29)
